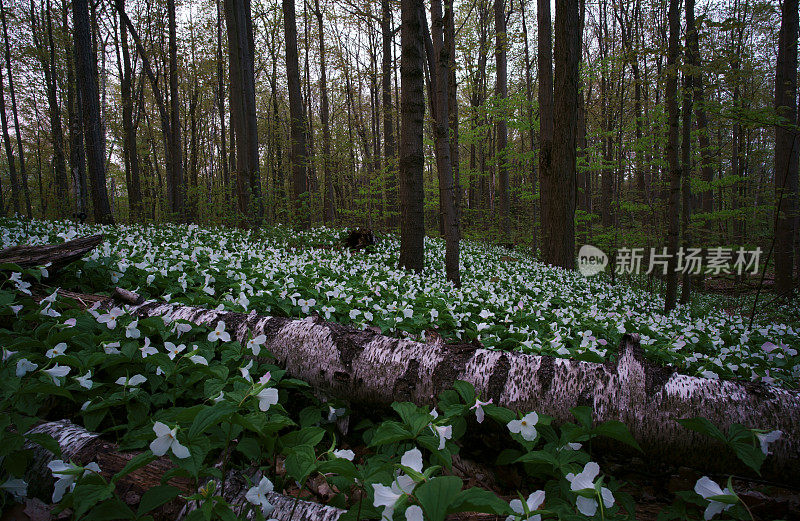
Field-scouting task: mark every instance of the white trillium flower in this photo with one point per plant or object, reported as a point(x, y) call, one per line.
point(198, 360)
point(111, 348)
point(85, 380)
point(16, 487)
point(387, 497)
point(767, 438)
point(173, 350)
point(165, 440)
point(66, 474)
point(585, 481)
point(254, 344)
point(414, 513)
point(219, 333)
point(132, 381)
point(132, 331)
point(246, 371)
point(56, 350)
point(147, 349)
point(479, 409)
point(257, 495)
point(266, 398)
point(526, 427)
point(533, 503)
point(345, 454)
point(707, 488)
point(110, 318)
point(334, 413)
point(58, 371)
point(8, 354)
point(25, 366)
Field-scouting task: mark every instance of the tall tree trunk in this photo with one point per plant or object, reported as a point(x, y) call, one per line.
point(439, 94)
point(86, 72)
point(327, 170)
point(221, 100)
point(686, 156)
point(77, 156)
point(130, 144)
point(23, 175)
point(411, 160)
point(452, 106)
point(299, 150)
point(176, 187)
point(565, 106)
point(671, 101)
point(389, 153)
point(501, 91)
point(47, 59)
point(12, 168)
point(787, 148)
point(241, 54)
point(547, 176)
point(529, 103)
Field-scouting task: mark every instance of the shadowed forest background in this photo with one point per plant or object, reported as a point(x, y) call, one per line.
point(620, 124)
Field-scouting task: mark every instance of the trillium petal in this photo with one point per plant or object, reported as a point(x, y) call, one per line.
point(414, 513)
point(384, 496)
point(706, 487)
point(160, 445)
point(586, 506)
point(608, 497)
point(713, 509)
point(516, 506)
point(180, 451)
point(535, 500)
point(412, 459)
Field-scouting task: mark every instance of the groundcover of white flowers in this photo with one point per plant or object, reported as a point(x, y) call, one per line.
point(194, 398)
point(507, 300)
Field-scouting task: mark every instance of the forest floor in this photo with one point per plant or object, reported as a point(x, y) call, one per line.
point(508, 300)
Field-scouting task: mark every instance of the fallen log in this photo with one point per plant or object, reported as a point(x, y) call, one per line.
point(57, 255)
point(82, 447)
point(375, 370)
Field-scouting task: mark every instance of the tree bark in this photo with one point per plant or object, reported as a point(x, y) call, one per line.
point(411, 160)
point(12, 168)
point(439, 95)
point(787, 148)
point(77, 157)
point(547, 178)
point(23, 176)
point(374, 370)
point(501, 91)
point(299, 149)
point(131, 150)
point(221, 100)
point(327, 170)
point(58, 255)
point(241, 54)
point(671, 101)
point(47, 59)
point(176, 188)
point(83, 447)
point(389, 148)
point(565, 105)
point(94, 139)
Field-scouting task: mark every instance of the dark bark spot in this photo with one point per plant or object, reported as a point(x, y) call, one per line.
point(341, 377)
point(273, 327)
point(452, 365)
point(546, 371)
point(350, 342)
point(499, 377)
point(405, 385)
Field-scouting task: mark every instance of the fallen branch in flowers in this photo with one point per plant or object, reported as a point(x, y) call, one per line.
point(83, 447)
point(374, 370)
point(55, 255)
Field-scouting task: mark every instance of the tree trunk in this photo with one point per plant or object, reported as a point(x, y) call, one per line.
point(547, 177)
point(671, 101)
point(501, 91)
point(47, 59)
point(565, 105)
point(411, 160)
point(787, 148)
point(130, 144)
point(452, 107)
point(83, 447)
point(327, 170)
point(439, 93)
point(389, 152)
point(299, 150)
point(58, 255)
point(530, 116)
point(23, 176)
point(86, 72)
point(12, 168)
point(221, 101)
point(686, 147)
point(77, 158)
point(373, 370)
point(241, 54)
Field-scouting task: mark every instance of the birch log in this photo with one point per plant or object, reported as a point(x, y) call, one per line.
point(82, 447)
point(375, 370)
point(58, 255)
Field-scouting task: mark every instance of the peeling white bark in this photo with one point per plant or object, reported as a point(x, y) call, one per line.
point(375, 370)
point(81, 446)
